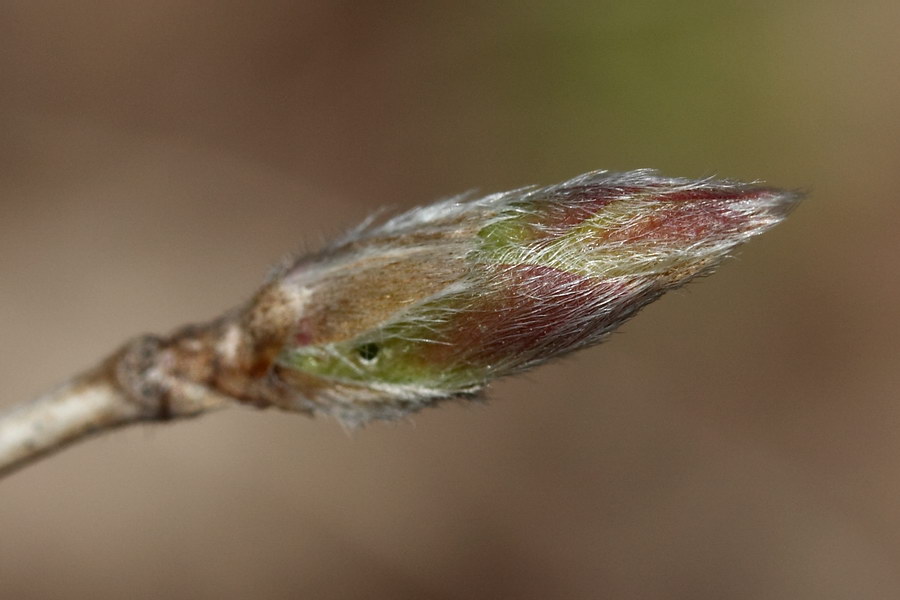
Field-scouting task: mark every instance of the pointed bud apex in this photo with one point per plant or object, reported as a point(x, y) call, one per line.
point(437, 302)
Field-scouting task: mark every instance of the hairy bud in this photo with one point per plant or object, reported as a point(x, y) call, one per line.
point(433, 304)
point(437, 302)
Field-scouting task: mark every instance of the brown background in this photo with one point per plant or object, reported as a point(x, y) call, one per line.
point(740, 440)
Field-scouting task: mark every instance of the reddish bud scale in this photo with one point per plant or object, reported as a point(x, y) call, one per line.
point(533, 312)
point(573, 206)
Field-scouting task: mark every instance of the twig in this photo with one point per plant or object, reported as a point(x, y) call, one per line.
point(92, 403)
point(83, 406)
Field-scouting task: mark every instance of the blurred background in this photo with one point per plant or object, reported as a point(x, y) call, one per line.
point(739, 439)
